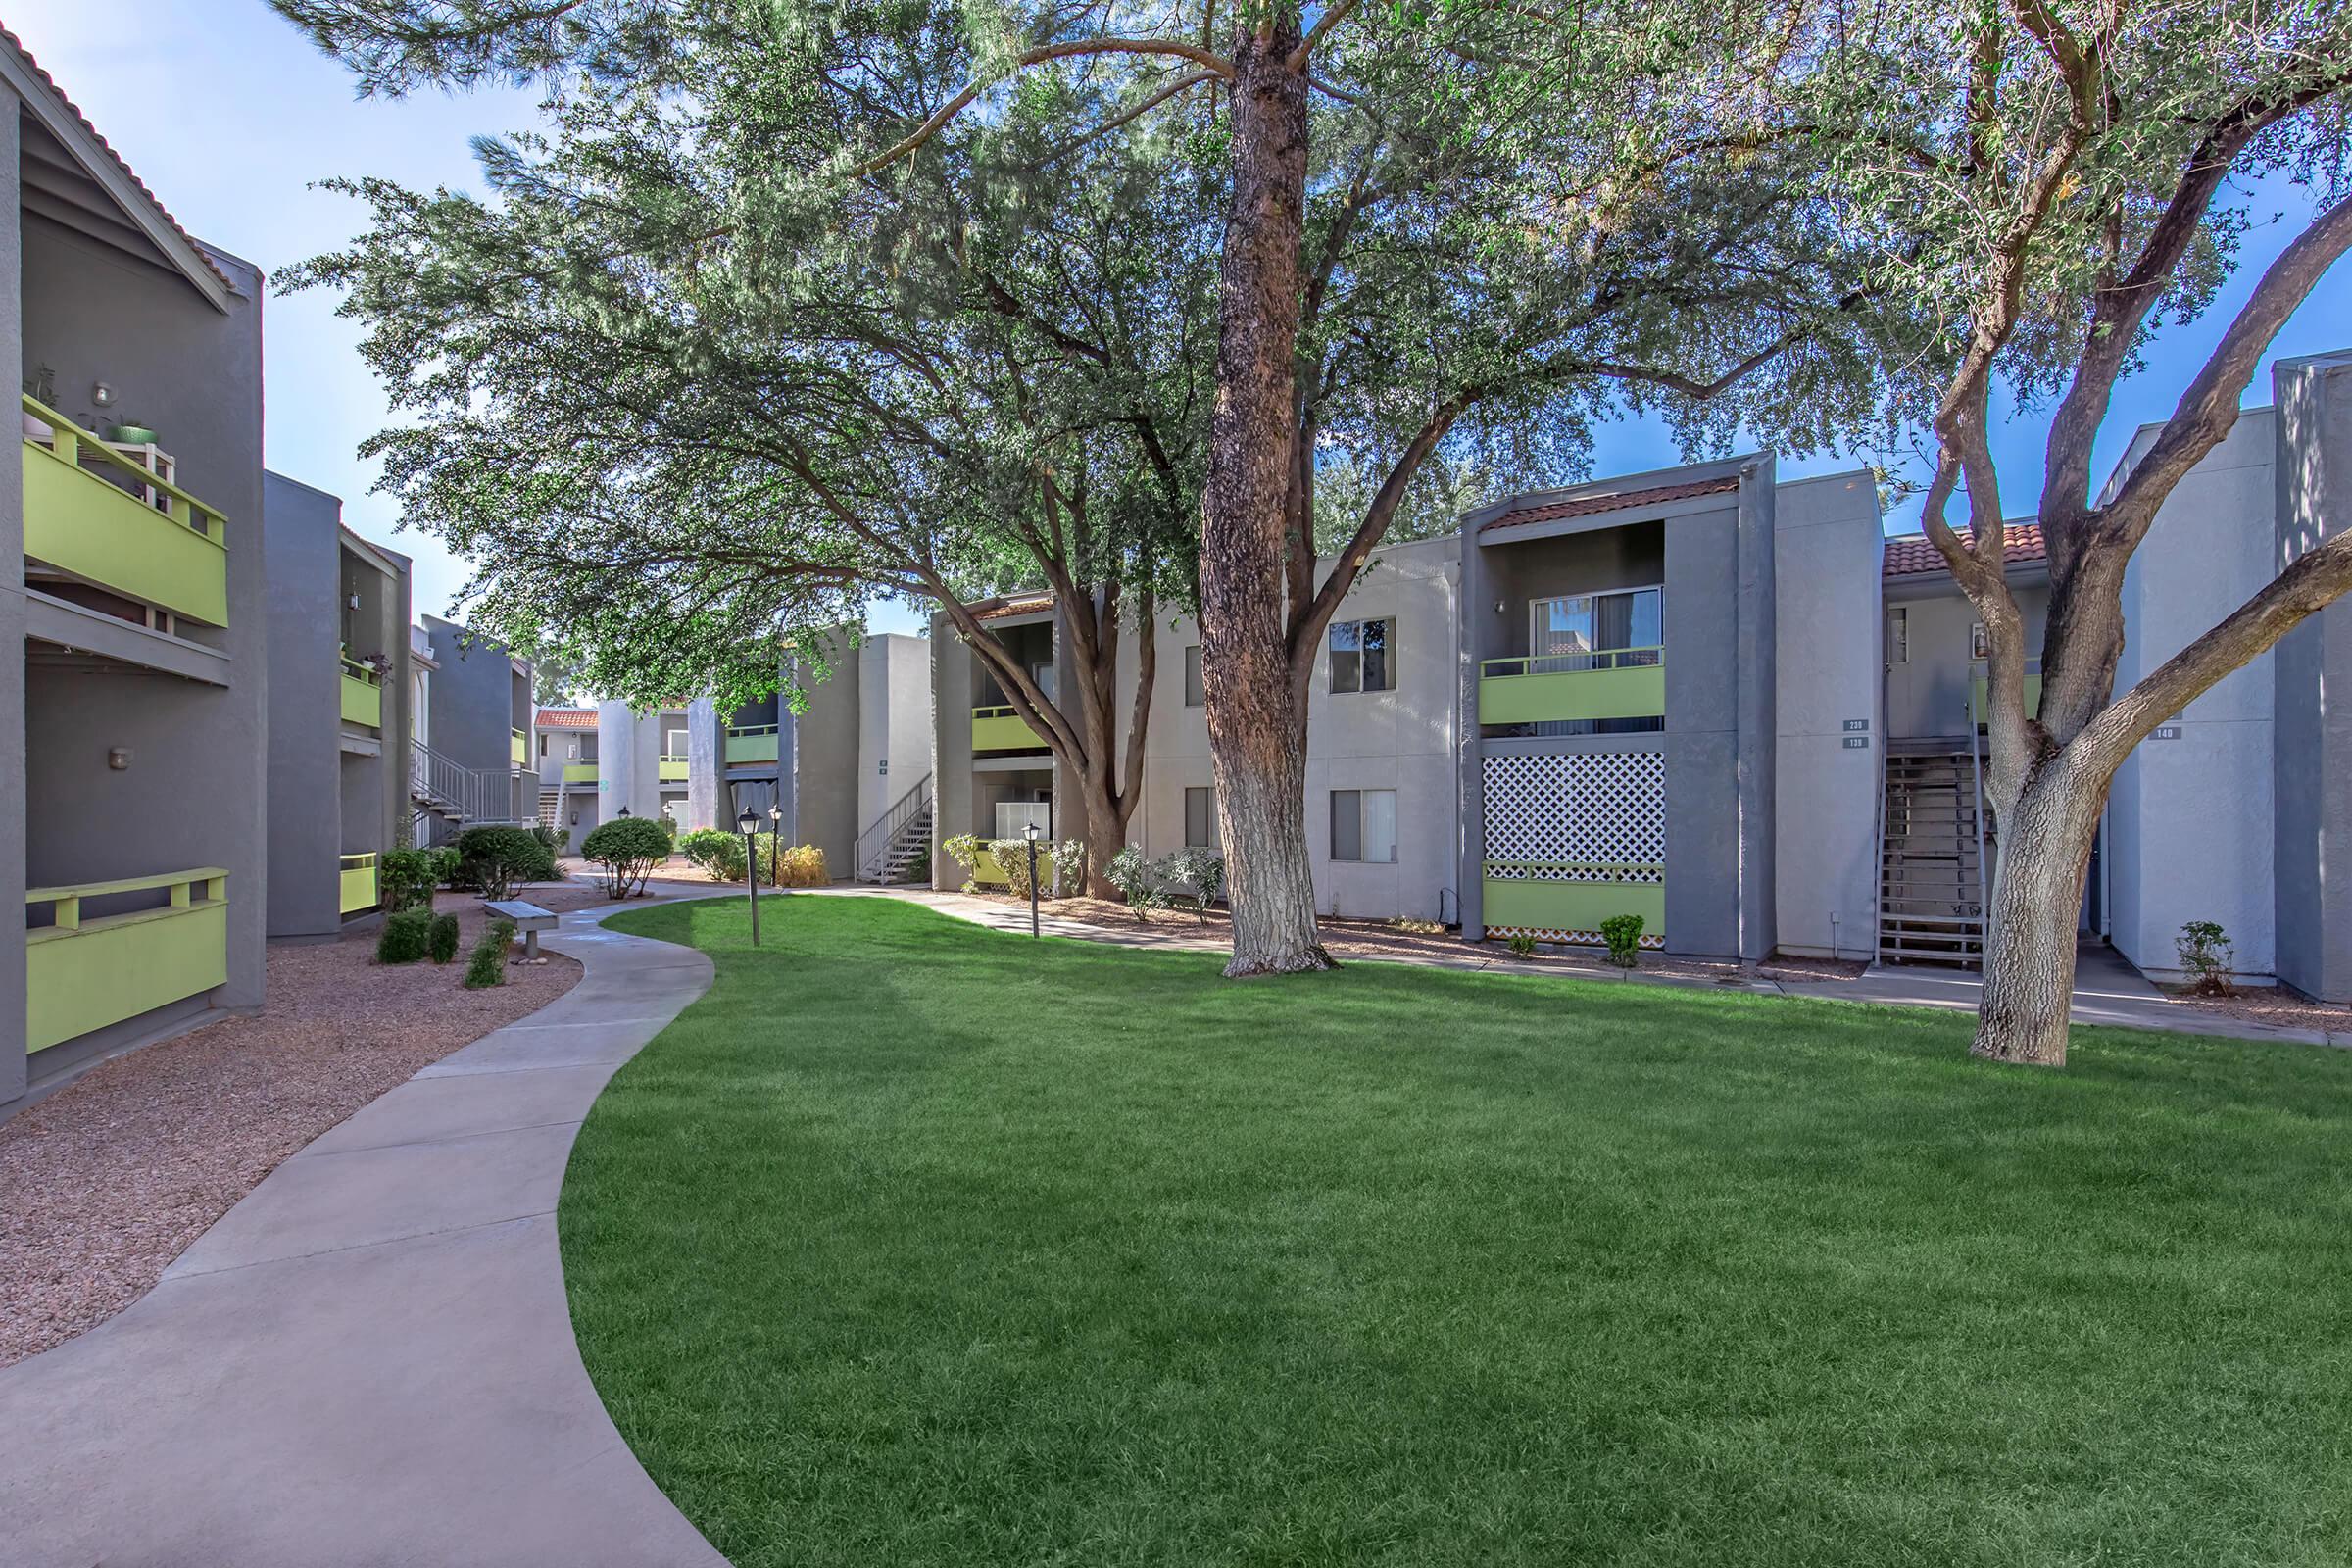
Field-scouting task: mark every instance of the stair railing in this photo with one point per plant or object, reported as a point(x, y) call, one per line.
point(1976, 766)
point(451, 788)
point(881, 835)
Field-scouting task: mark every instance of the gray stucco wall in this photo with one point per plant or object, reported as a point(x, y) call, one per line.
point(824, 762)
point(2312, 762)
point(1828, 555)
point(13, 1064)
point(195, 793)
point(306, 765)
point(474, 702)
point(952, 748)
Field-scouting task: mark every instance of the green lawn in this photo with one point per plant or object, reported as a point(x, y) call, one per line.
point(917, 1244)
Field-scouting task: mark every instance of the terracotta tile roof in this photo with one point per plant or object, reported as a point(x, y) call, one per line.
point(1910, 555)
point(567, 718)
point(74, 109)
point(1616, 500)
point(1018, 605)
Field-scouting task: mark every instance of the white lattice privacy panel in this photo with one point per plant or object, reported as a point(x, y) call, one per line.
point(1590, 807)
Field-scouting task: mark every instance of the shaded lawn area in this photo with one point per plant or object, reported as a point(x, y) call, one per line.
point(919, 1244)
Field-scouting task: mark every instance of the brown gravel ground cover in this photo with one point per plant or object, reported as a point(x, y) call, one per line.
point(2272, 1005)
point(112, 1177)
point(1376, 939)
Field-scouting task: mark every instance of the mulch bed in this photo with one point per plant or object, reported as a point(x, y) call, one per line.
point(2275, 1006)
point(1377, 938)
point(112, 1176)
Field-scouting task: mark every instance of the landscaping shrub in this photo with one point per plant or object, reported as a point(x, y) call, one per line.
point(964, 849)
point(1013, 858)
point(1137, 881)
point(442, 939)
point(406, 879)
point(627, 851)
point(487, 964)
point(801, 866)
point(405, 937)
point(1623, 934)
point(447, 864)
point(493, 859)
point(1196, 877)
point(1069, 868)
point(1523, 945)
point(718, 852)
point(2207, 958)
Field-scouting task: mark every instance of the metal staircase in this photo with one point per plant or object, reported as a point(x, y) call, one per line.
point(1932, 856)
point(897, 843)
point(444, 792)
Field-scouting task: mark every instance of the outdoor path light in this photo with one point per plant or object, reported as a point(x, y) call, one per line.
point(749, 825)
point(775, 843)
point(1030, 833)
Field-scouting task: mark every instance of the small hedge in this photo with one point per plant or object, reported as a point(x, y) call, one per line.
point(487, 965)
point(718, 851)
point(493, 859)
point(627, 850)
point(407, 878)
point(404, 937)
point(442, 940)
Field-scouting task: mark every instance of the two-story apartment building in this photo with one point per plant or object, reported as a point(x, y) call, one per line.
point(469, 757)
point(593, 763)
point(133, 725)
point(340, 690)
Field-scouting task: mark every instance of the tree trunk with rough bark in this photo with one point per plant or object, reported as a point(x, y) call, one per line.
point(2045, 846)
point(1255, 707)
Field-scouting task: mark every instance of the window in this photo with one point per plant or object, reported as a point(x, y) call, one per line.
point(1898, 635)
point(674, 744)
point(543, 743)
point(1595, 631)
point(1199, 819)
point(1361, 652)
point(1192, 695)
point(1043, 674)
point(1363, 826)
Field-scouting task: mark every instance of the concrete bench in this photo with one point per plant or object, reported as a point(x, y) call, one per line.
point(528, 918)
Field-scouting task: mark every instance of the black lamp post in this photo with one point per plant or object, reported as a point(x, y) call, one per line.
point(1030, 833)
point(776, 844)
point(749, 824)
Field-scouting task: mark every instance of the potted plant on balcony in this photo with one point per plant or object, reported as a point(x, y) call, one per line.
point(41, 387)
point(131, 433)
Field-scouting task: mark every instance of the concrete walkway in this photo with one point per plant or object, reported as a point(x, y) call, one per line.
point(2107, 990)
point(369, 1360)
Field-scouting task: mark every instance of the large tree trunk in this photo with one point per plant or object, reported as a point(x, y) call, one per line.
point(1254, 704)
point(2046, 847)
point(1101, 826)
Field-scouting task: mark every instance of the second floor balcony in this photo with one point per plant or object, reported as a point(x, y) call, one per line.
point(110, 514)
point(579, 772)
point(1608, 683)
point(673, 767)
point(363, 693)
point(998, 728)
point(751, 743)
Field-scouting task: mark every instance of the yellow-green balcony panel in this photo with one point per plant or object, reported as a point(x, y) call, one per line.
point(1573, 899)
point(1982, 693)
point(520, 749)
point(1551, 688)
point(579, 772)
point(751, 743)
point(673, 769)
point(363, 694)
point(358, 883)
point(1001, 729)
point(91, 513)
point(83, 974)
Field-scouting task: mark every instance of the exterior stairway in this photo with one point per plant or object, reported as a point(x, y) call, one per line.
point(1931, 890)
point(896, 846)
point(445, 794)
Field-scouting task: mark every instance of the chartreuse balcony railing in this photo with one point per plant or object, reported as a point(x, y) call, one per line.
point(673, 767)
point(520, 749)
point(1548, 688)
point(1001, 729)
point(358, 883)
point(363, 693)
point(84, 973)
point(751, 743)
point(93, 512)
point(579, 772)
point(1572, 896)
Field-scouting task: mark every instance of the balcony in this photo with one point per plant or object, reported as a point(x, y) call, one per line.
point(1001, 729)
point(358, 883)
point(1980, 694)
point(751, 742)
point(1573, 898)
point(1551, 688)
point(363, 694)
point(579, 772)
point(988, 874)
point(520, 749)
point(85, 974)
point(672, 769)
point(97, 514)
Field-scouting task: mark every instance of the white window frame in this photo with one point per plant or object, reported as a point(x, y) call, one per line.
point(1195, 688)
point(1898, 635)
point(1208, 840)
point(1333, 651)
point(1364, 816)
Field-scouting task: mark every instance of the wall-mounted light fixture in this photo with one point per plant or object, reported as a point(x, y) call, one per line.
point(103, 395)
point(118, 757)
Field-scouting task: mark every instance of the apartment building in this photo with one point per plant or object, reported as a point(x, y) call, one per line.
point(133, 730)
point(470, 759)
point(340, 691)
point(592, 764)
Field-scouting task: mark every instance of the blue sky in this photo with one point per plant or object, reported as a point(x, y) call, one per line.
point(230, 115)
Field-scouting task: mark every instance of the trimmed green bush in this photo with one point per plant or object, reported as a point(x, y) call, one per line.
point(493, 859)
point(405, 937)
point(1623, 934)
point(442, 940)
point(406, 879)
point(718, 851)
point(627, 851)
point(487, 964)
point(446, 865)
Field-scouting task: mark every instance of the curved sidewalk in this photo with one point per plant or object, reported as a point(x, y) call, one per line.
point(369, 1360)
